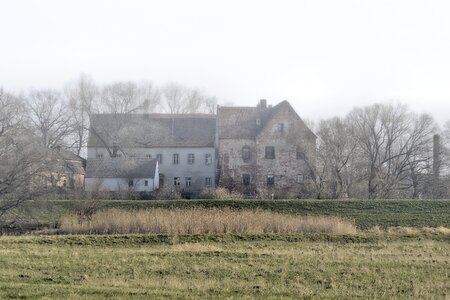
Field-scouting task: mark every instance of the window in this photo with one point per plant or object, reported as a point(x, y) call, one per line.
point(146, 182)
point(270, 152)
point(246, 179)
point(258, 121)
point(148, 156)
point(175, 158)
point(64, 182)
point(300, 178)
point(176, 181)
point(159, 158)
point(246, 153)
point(161, 180)
point(270, 180)
point(300, 154)
point(191, 158)
point(187, 181)
point(208, 182)
point(130, 183)
point(280, 128)
point(99, 155)
point(208, 159)
point(119, 155)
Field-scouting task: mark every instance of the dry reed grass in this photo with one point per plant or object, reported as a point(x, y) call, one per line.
point(203, 221)
point(410, 230)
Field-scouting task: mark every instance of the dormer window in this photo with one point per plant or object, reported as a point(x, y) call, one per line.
point(246, 153)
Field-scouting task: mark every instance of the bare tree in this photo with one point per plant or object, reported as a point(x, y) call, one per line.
point(389, 138)
point(21, 161)
point(83, 100)
point(128, 97)
point(178, 99)
point(335, 150)
point(49, 117)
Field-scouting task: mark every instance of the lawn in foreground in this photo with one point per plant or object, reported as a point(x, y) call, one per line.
point(236, 267)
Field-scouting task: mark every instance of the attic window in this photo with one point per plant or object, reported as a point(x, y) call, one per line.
point(280, 128)
point(99, 155)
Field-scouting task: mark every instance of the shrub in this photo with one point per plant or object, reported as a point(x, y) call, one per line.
point(167, 193)
point(220, 193)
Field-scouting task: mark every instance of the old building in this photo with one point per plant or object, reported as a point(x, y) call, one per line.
point(122, 175)
point(183, 144)
point(265, 150)
point(64, 170)
point(259, 149)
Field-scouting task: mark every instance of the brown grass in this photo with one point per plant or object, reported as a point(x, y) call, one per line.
point(410, 230)
point(220, 193)
point(203, 221)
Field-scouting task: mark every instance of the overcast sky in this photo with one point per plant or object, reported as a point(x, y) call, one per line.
point(325, 57)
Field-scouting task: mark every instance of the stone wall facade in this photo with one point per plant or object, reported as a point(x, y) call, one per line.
point(275, 162)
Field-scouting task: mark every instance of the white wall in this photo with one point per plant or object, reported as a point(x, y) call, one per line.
point(120, 184)
point(197, 171)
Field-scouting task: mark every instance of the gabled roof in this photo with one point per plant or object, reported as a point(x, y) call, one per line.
point(152, 130)
point(121, 168)
point(249, 122)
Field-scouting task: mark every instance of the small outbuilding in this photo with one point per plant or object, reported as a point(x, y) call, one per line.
point(122, 175)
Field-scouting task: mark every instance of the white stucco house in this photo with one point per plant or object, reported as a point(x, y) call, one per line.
point(122, 175)
point(183, 145)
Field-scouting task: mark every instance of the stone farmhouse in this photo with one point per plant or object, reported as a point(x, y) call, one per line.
point(264, 149)
point(249, 149)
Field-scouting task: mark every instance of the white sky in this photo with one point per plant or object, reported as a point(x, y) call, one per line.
point(323, 56)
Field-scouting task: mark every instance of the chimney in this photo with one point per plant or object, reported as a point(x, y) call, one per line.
point(262, 104)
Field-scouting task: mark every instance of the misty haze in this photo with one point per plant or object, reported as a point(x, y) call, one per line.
point(197, 149)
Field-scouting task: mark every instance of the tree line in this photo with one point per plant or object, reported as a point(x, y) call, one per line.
point(381, 151)
point(377, 151)
point(35, 126)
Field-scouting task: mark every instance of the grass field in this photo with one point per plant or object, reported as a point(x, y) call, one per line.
point(313, 266)
point(365, 213)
